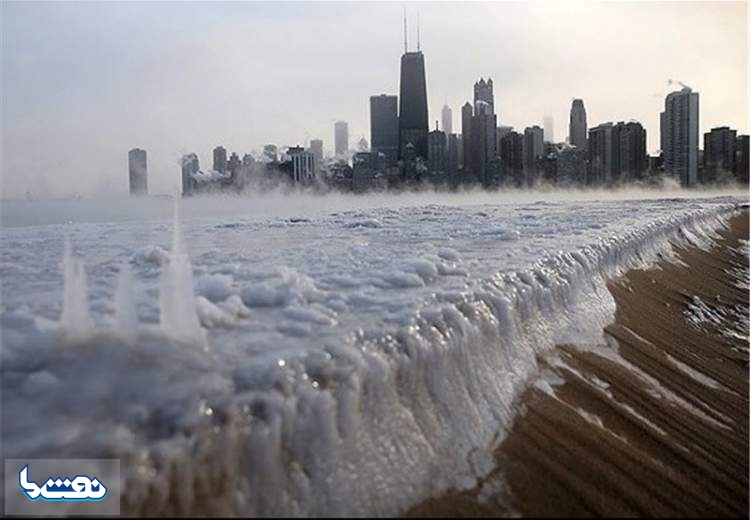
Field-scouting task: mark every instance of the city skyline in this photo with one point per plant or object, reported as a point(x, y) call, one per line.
point(62, 148)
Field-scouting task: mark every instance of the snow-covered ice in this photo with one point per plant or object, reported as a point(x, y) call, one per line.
point(348, 360)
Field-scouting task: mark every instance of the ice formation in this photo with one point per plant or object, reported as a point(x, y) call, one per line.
point(353, 368)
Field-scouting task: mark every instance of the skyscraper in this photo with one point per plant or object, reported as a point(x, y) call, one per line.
point(220, 159)
point(571, 165)
point(341, 138)
point(719, 152)
point(743, 158)
point(190, 167)
point(233, 164)
point(483, 91)
point(578, 125)
point(303, 164)
point(384, 126)
point(533, 151)
point(679, 126)
point(549, 129)
point(601, 151)
point(436, 156)
point(447, 117)
point(467, 113)
point(412, 118)
point(511, 158)
point(501, 132)
point(316, 148)
point(483, 145)
point(632, 153)
point(138, 172)
point(452, 154)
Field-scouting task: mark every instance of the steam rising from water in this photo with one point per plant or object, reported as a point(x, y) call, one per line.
point(126, 319)
point(179, 318)
point(76, 319)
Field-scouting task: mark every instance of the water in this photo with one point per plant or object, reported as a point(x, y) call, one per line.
point(336, 361)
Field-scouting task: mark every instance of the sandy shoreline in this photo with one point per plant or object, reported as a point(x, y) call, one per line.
point(654, 424)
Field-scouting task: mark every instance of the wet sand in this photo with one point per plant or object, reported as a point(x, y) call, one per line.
point(654, 423)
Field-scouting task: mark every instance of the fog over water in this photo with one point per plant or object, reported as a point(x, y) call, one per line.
point(21, 212)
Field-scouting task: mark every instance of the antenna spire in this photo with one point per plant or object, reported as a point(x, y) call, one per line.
point(405, 46)
point(417, 31)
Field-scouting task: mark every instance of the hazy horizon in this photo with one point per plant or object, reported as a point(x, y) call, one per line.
point(97, 79)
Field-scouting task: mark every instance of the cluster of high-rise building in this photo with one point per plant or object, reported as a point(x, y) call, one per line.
point(404, 152)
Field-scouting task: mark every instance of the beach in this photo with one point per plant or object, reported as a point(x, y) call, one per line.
point(651, 422)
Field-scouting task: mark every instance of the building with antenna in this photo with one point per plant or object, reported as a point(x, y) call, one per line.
point(413, 117)
point(436, 154)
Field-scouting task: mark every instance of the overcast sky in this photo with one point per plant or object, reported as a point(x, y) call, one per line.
point(85, 82)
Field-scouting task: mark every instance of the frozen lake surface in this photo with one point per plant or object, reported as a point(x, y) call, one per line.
point(352, 355)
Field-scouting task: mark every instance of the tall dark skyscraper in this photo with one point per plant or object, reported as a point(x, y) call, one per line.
point(467, 114)
point(138, 172)
point(743, 158)
point(617, 152)
point(577, 128)
point(719, 152)
point(233, 164)
point(483, 142)
point(601, 154)
point(220, 159)
point(384, 126)
point(452, 154)
point(533, 151)
point(633, 155)
point(436, 153)
point(413, 118)
point(679, 139)
point(511, 158)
